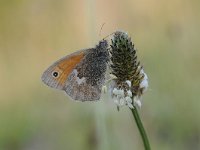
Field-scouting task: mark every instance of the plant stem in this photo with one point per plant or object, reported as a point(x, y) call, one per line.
point(141, 129)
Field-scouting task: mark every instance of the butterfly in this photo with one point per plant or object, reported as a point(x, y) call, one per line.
point(81, 74)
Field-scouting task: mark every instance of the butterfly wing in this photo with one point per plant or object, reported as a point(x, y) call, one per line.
point(56, 75)
point(86, 80)
point(81, 74)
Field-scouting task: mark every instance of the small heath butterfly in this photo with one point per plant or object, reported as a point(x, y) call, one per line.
point(81, 74)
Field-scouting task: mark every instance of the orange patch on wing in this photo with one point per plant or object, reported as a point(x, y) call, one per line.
point(66, 66)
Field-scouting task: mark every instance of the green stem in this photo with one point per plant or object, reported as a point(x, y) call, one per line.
point(141, 129)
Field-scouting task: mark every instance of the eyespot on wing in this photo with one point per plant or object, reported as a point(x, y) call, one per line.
point(56, 75)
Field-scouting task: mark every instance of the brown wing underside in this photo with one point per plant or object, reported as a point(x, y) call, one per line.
point(66, 67)
point(63, 67)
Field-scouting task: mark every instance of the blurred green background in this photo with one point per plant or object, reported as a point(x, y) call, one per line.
point(35, 33)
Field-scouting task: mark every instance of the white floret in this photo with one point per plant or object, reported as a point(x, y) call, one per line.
point(130, 105)
point(129, 102)
point(137, 102)
point(115, 91)
point(121, 92)
point(128, 82)
point(129, 93)
point(122, 102)
point(112, 76)
point(116, 101)
point(104, 89)
point(144, 84)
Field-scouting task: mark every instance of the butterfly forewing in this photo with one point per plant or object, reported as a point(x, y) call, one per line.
point(56, 75)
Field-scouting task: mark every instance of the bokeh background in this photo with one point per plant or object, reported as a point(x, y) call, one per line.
point(35, 33)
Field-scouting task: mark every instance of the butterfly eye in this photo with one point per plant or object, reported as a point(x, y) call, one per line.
point(55, 74)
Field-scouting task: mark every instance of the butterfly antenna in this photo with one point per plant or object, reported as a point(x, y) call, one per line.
point(109, 35)
point(101, 29)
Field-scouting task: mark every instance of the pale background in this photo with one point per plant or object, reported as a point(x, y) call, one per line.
point(34, 33)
